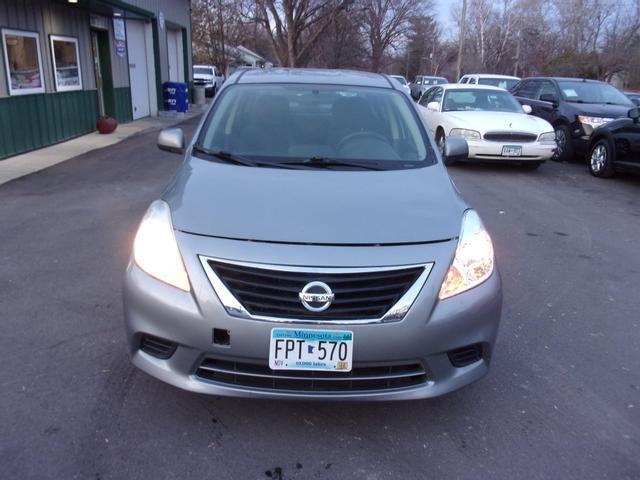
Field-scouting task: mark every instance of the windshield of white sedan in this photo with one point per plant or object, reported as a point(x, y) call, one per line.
point(480, 100)
point(505, 83)
point(591, 92)
point(315, 126)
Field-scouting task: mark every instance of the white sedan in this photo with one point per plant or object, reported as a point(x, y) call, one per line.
point(496, 127)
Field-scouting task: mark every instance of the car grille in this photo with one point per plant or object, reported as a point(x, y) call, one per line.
point(274, 293)
point(361, 378)
point(510, 137)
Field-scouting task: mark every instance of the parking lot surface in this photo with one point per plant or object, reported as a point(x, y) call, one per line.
point(562, 399)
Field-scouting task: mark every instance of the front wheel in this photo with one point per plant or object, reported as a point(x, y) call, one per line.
point(440, 141)
point(564, 144)
point(601, 159)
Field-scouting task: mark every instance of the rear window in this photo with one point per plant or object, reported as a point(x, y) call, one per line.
point(284, 122)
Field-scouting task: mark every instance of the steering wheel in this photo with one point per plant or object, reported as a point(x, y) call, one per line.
point(361, 135)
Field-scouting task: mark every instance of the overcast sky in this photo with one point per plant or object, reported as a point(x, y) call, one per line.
point(443, 14)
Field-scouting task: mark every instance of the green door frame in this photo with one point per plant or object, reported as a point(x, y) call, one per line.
point(106, 73)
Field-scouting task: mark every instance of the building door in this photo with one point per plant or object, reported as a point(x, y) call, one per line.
point(98, 72)
point(174, 52)
point(138, 71)
point(102, 68)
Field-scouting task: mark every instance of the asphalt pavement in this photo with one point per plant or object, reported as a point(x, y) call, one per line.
point(562, 399)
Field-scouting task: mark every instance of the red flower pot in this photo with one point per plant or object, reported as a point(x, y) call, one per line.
point(106, 124)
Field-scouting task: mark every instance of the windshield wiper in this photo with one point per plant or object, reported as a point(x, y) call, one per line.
point(226, 156)
point(323, 162)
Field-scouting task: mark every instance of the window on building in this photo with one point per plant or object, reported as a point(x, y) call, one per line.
point(66, 63)
point(22, 60)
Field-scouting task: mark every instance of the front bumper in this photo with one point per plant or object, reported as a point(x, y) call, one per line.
point(429, 330)
point(483, 150)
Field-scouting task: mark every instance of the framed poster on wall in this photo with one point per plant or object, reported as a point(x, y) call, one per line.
point(66, 63)
point(23, 61)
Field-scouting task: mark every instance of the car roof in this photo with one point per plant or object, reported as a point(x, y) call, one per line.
point(315, 76)
point(466, 86)
point(491, 75)
point(571, 79)
point(203, 65)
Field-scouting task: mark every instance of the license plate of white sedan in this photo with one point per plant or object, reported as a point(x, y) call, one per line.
point(301, 349)
point(511, 151)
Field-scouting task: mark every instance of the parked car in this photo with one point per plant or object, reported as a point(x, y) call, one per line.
point(496, 127)
point(422, 83)
point(403, 83)
point(615, 147)
point(575, 107)
point(503, 81)
point(312, 246)
point(209, 76)
point(634, 97)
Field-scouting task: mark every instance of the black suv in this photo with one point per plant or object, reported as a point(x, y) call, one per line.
point(574, 106)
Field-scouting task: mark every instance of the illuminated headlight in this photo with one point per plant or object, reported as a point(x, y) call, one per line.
point(473, 261)
point(463, 132)
point(589, 124)
point(155, 249)
point(547, 137)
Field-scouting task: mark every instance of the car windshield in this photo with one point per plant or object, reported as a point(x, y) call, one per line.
point(592, 92)
point(400, 78)
point(480, 100)
point(285, 123)
point(505, 83)
point(202, 71)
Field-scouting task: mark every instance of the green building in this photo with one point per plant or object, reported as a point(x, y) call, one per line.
point(65, 63)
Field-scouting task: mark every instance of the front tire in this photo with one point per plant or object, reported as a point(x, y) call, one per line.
point(564, 150)
point(440, 140)
point(601, 159)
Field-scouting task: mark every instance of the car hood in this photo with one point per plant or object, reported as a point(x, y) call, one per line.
point(503, 121)
point(600, 109)
point(315, 206)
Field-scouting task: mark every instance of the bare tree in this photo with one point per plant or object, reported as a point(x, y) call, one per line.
point(463, 22)
point(385, 22)
point(294, 26)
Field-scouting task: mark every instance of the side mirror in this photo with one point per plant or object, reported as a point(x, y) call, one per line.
point(634, 114)
point(433, 106)
point(527, 109)
point(549, 97)
point(456, 149)
point(171, 140)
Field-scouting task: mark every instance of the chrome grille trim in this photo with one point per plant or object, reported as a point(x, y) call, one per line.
point(234, 308)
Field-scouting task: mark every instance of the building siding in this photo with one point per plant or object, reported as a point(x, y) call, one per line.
point(33, 121)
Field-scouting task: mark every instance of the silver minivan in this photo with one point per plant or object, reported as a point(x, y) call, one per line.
point(312, 246)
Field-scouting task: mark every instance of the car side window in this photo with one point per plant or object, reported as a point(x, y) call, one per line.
point(528, 89)
point(437, 95)
point(473, 80)
point(546, 88)
point(424, 99)
point(418, 80)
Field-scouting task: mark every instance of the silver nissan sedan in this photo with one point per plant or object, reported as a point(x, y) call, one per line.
point(312, 246)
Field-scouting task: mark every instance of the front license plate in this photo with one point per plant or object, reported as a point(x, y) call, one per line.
point(511, 151)
point(294, 349)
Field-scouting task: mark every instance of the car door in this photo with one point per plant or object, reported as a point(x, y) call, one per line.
point(545, 109)
point(422, 105)
point(434, 118)
point(627, 142)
